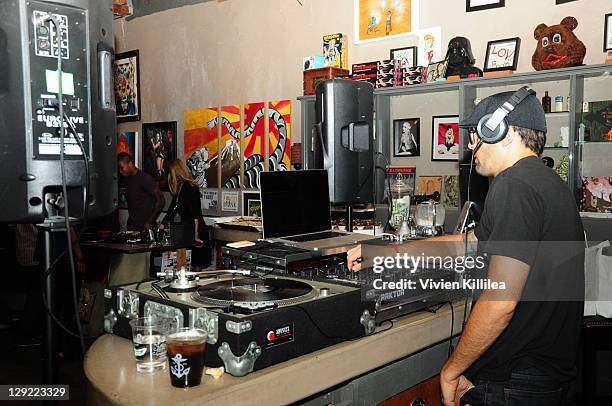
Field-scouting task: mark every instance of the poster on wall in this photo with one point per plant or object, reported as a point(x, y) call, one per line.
point(127, 87)
point(254, 143)
point(596, 194)
point(430, 46)
point(201, 146)
point(158, 149)
point(251, 204)
point(230, 146)
point(122, 8)
point(377, 20)
point(406, 137)
point(427, 185)
point(126, 142)
point(445, 138)
point(229, 200)
point(210, 199)
point(451, 191)
point(279, 136)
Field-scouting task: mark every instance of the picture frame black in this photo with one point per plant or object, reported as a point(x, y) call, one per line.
point(563, 1)
point(607, 45)
point(471, 5)
point(490, 48)
point(438, 153)
point(406, 140)
point(250, 201)
point(127, 87)
point(158, 149)
point(413, 61)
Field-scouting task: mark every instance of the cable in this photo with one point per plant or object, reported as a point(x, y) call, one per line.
point(450, 340)
point(60, 96)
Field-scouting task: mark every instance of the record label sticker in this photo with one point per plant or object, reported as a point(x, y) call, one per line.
point(279, 335)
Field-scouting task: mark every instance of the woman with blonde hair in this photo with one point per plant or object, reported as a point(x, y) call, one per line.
point(186, 208)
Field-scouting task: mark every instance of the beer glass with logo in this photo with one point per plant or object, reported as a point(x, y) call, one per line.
point(186, 356)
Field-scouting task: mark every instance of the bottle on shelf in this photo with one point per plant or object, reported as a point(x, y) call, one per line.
point(546, 102)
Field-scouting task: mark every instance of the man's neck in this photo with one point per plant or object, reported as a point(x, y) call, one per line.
point(514, 158)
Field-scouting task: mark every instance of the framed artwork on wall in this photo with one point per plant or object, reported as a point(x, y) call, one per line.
point(477, 5)
point(608, 33)
point(251, 204)
point(445, 138)
point(406, 137)
point(563, 1)
point(437, 71)
point(502, 54)
point(158, 149)
point(127, 86)
point(377, 20)
point(407, 55)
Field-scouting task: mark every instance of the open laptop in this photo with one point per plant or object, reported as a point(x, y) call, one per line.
point(295, 209)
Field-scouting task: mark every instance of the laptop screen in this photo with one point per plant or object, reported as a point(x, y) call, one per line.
point(294, 202)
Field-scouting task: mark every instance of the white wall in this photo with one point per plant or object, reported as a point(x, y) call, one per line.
point(240, 51)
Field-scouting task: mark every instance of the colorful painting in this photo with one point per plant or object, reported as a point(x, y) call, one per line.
point(127, 89)
point(445, 138)
point(382, 19)
point(430, 46)
point(596, 194)
point(598, 121)
point(254, 135)
point(451, 191)
point(279, 136)
point(122, 8)
point(158, 149)
point(230, 146)
point(427, 185)
point(201, 146)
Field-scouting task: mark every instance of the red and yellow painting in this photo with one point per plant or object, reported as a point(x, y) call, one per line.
point(279, 135)
point(230, 146)
point(201, 145)
point(254, 143)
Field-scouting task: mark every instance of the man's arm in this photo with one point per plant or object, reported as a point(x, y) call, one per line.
point(154, 191)
point(489, 318)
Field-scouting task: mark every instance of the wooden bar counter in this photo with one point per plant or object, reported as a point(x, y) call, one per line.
point(110, 368)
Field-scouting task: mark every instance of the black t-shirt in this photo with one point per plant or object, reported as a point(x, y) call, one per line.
point(140, 194)
point(186, 206)
point(530, 215)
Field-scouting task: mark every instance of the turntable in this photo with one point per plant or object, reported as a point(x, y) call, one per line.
point(252, 322)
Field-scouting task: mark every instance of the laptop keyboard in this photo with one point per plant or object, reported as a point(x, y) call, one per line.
point(315, 236)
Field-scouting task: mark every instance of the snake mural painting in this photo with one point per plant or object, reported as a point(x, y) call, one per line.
point(203, 163)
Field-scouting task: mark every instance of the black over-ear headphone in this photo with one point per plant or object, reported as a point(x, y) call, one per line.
point(492, 128)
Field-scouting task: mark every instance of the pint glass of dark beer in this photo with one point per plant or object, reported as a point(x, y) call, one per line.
point(186, 356)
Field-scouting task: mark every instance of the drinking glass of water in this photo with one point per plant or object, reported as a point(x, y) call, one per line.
point(149, 337)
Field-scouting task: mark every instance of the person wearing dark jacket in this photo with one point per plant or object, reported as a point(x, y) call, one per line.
point(186, 208)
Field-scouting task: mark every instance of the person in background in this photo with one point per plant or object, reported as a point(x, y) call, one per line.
point(186, 204)
point(145, 200)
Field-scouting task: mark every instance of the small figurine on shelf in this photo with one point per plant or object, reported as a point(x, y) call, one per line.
point(460, 59)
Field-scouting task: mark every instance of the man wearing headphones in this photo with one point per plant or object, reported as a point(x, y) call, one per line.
point(520, 348)
point(519, 345)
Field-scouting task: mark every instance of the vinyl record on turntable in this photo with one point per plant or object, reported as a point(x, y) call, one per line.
point(279, 291)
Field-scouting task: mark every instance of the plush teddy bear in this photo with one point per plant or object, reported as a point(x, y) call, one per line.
point(558, 46)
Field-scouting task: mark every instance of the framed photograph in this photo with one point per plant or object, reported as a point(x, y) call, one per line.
point(377, 20)
point(436, 71)
point(229, 200)
point(407, 55)
point(477, 5)
point(445, 138)
point(406, 137)
point(158, 149)
point(502, 54)
point(608, 33)
point(563, 1)
point(251, 204)
point(127, 86)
